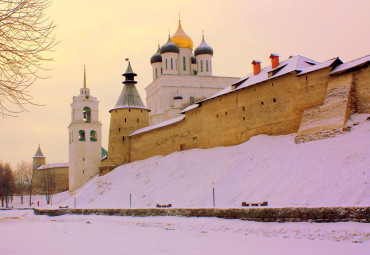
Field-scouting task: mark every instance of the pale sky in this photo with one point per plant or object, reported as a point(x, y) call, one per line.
point(101, 34)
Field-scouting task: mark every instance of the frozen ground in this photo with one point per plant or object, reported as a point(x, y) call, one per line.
point(24, 233)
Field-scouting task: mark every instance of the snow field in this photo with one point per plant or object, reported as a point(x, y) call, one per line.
point(330, 172)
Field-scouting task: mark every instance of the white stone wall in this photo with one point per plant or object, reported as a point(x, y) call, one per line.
point(161, 91)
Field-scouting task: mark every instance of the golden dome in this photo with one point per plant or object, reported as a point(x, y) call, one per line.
point(181, 39)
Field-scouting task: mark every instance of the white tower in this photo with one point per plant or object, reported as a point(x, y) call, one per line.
point(204, 54)
point(185, 44)
point(84, 138)
point(156, 62)
point(169, 53)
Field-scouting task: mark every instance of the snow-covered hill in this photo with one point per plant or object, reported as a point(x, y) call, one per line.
point(331, 172)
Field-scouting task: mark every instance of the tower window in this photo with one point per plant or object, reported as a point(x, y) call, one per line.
point(86, 114)
point(123, 138)
point(171, 63)
point(261, 103)
point(184, 62)
point(201, 65)
point(137, 120)
point(81, 135)
point(274, 99)
point(125, 120)
point(166, 64)
point(243, 108)
point(207, 65)
point(93, 136)
point(119, 130)
point(156, 73)
point(161, 70)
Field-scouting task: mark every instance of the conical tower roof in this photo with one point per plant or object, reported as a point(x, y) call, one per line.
point(129, 97)
point(39, 153)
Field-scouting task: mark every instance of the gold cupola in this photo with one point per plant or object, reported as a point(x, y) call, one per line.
point(181, 39)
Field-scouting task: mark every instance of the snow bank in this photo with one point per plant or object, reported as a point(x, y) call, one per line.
point(331, 172)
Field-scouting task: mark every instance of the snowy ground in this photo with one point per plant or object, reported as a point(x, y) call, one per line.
point(330, 172)
point(22, 232)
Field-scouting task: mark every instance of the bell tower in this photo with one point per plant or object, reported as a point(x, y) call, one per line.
point(84, 138)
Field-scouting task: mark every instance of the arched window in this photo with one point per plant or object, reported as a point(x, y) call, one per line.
point(93, 137)
point(166, 63)
point(192, 100)
point(207, 65)
point(201, 65)
point(171, 63)
point(81, 135)
point(156, 73)
point(184, 62)
point(87, 114)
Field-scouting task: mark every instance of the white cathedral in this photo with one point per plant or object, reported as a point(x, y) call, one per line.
point(181, 77)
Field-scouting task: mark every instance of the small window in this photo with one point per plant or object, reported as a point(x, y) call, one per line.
point(194, 138)
point(272, 84)
point(274, 99)
point(192, 100)
point(83, 171)
point(161, 70)
point(119, 130)
point(81, 135)
point(93, 136)
point(243, 108)
point(201, 65)
point(125, 120)
point(182, 147)
point(166, 64)
point(123, 138)
point(184, 62)
point(156, 73)
point(207, 65)
point(171, 63)
point(261, 103)
point(137, 120)
point(216, 115)
point(225, 113)
point(86, 114)
point(306, 78)
point(243, 118)
point(129, 110)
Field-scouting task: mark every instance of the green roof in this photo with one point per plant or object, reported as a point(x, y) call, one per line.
point(104, 153)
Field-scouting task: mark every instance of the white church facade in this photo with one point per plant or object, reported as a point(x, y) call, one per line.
point(181, 77)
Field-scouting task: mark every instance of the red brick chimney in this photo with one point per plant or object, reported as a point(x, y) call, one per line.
point(256, 67)
point(274, 60)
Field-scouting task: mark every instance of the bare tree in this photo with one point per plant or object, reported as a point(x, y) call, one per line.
point(29, 181)
point(26, 38)
point(23, 171)
point(48, 181)
point(7, 184)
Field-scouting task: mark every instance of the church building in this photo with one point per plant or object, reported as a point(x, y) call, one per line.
point(181, 77)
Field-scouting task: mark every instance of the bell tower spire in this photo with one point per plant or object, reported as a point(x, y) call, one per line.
point(84, 90)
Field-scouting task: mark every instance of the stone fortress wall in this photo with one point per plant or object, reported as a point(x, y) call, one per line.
point(308, 105)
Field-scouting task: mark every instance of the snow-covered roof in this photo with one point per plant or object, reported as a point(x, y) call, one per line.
point(351, 64)
point(53, 166)
point(321, 65)
point(161, 124)
point(190, 107)
point(295, 63)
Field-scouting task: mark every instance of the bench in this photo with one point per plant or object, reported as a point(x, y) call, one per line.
point(245, 204)
point(164, 206)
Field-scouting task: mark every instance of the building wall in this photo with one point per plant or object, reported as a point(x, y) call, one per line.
point(59, 175)
point(161, 91)
point(273, 107)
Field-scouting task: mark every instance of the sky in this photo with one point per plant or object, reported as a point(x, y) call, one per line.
point(101, 36)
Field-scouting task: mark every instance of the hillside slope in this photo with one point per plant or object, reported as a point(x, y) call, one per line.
point(331, 172)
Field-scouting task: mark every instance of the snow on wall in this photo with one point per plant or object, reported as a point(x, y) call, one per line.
point(330, 172)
